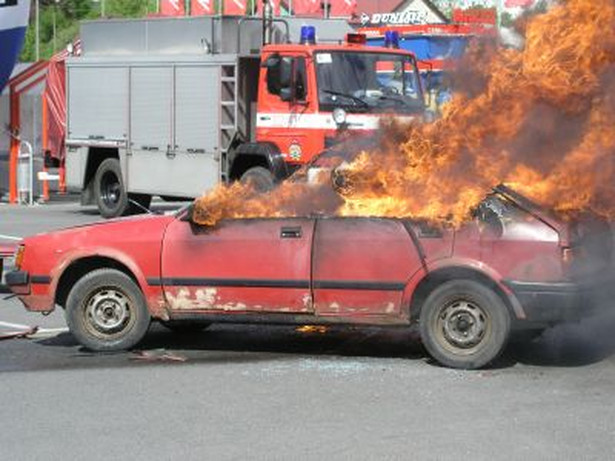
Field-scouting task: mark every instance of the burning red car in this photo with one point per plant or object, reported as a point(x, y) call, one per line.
point(513, 267)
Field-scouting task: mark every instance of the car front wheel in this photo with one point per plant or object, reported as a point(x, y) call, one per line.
point(464, 324)
point(106, 311)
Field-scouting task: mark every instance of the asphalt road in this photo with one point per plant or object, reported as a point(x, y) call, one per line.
point(247, 392)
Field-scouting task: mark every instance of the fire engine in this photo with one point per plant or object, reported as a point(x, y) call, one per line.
point(174, 106)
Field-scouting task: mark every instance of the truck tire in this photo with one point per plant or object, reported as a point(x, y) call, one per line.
point(261, 179)
point(109, 190)
point(464, 324)
point(106, 311)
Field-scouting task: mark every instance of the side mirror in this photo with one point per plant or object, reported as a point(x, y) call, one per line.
point(286, 94)
point(272, 61)
point(187, 214)
point(279, 75)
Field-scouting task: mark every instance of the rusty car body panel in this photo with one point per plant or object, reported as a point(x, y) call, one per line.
point(309, 269)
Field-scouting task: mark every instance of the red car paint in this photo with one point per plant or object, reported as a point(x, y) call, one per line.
point(364, 270)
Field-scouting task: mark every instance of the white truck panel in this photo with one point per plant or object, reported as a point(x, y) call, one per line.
point(151, 91)
point(97, 102)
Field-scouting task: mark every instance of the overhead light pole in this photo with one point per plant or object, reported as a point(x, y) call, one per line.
point(37, 31)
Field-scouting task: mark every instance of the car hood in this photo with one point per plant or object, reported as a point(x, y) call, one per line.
point(105, 229)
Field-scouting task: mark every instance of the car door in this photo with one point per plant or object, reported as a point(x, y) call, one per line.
point(361, 266)
point(239, 266)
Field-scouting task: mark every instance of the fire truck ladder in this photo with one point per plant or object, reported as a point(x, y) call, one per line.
point(228, 114)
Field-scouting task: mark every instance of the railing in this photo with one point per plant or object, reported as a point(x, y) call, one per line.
point(25, 173)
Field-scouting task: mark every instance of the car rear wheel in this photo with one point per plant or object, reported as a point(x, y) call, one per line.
point(261, 179)
point(106, 311)
point(111, 197)
point(464, 324)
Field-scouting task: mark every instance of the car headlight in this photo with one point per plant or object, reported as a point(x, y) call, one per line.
point(339, 115)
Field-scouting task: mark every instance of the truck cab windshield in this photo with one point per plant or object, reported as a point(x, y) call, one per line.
point(368, 82)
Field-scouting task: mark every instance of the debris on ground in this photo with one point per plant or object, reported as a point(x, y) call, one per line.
point(19, 334)
point(158, 356)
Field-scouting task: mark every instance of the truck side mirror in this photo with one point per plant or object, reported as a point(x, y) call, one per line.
point(272, 61)
point(279, 74)
point(286, 94)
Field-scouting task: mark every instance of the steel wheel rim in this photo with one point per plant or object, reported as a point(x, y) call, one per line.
point(461, 326)
point(110, 188)
point(108, 312)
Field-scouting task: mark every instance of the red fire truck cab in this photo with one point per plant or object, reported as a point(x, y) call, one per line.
point(310, 95)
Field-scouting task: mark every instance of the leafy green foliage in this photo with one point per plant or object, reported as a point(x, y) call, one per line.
point(59, 21)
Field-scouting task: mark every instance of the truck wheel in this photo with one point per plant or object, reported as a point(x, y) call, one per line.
point(185, 326)
point(464, 324)
point(106, 311)
point(109, 191)
point(260, 178)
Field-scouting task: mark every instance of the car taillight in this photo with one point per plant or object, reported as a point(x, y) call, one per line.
point(19, 256)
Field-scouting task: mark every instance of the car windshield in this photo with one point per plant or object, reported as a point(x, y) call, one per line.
point(368, 82)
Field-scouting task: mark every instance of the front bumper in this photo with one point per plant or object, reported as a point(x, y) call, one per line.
point(550, 303)
point(34, 291)
point(6, 265)
point(18, 282)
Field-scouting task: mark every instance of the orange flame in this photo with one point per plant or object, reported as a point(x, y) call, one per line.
point(543, 122)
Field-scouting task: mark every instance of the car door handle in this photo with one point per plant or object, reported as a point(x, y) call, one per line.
point(290, 233)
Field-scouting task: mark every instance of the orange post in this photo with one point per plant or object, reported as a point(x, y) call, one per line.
point(62, 182)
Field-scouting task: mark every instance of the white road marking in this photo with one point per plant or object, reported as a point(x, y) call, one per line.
point(40, 333)
point(10, 237)
point(15, 325)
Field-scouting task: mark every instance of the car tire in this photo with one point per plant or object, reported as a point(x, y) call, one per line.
point(106, 311)
point(109, 190)
point(185, 326)
point(261, 179)
point(464, 324)
point(141, 203)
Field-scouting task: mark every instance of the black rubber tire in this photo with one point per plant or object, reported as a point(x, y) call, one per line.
point(185, 326)
point(454, 299)
point(109, 190)
point(143, 200)
point(81, 322)
point(261, 178)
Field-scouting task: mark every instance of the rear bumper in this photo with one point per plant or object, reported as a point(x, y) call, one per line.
point(550, 303)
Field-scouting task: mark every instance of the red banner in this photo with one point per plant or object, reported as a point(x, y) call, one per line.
point(343, 8)
point(274, 3)
point(235, 7)
point(202, 7)
point(475, 16)
point(307, 7)
point(172, 8)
